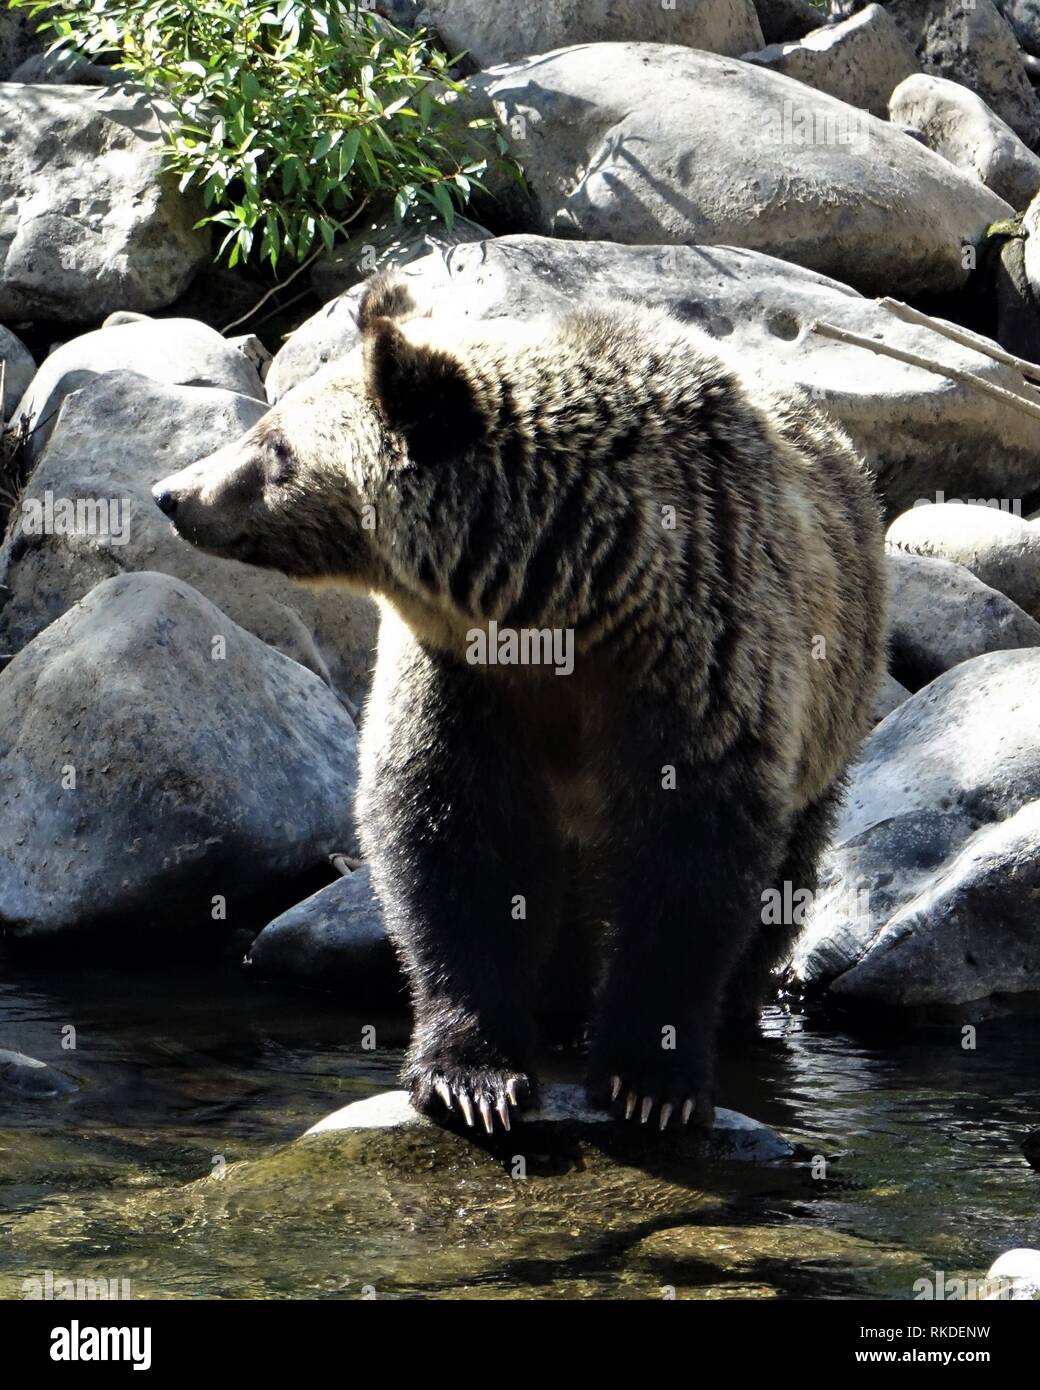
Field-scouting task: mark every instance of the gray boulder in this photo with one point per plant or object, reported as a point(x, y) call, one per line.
point(498, 34)
point(333, 939)
point(1031, 252)
point(19, 39)
point(1024, 18)
point(859, 61)
point(180, 352)
point(18, 368)
point(919, 431)
point(384, 243)
point(24, 1077)
point(889, 697)
point(785, 21)
point(112, 440)
point(66, 67)
point(969, 42)
point(940, 614)
point(564, 1109)
point(89, 220)
point(146, 770)
point(958, 124)
point(928, 893)
point(999, 548)
point(644, 143)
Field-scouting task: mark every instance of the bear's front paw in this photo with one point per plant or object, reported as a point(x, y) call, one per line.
point(661, 1087)
point(441, 1088)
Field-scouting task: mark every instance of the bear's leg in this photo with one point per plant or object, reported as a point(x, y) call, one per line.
point(459, 833)
point(685, 905)
point(754, 981)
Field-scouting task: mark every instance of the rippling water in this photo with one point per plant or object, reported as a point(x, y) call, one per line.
point(170, 1164)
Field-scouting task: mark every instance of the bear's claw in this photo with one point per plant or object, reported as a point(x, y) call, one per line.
point(697, 1108)
point(468, 1093)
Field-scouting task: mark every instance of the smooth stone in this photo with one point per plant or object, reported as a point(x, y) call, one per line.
point(149, 777)
point(491, 33)
point(940, 614)
point(861, 60)
point(920, 432)
point(735, 1136)
point(957, 124)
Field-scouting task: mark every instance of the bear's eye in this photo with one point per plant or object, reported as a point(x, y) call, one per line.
point(278, 461)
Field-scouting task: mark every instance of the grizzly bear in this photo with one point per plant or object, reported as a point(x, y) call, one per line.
point(632, 629)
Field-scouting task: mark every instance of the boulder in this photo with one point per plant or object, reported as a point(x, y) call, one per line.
point(384, 243)
point(180, 352)
point(654, 143)
point(563, 1109)
point(65, 66)
point(18, 367)
point(919, 431)
point(161, 768)
point(1031, 250)
point(112, 440)
point(999, 548)
point(889, 697)
point(24, 1077)
point(89, 220)
point(940, 614)
point(19, 40)
point(333, 939)
point(1024, 18)
point(1015, 1276)
point(969, 42)
point(859, 61)
point(928, 893)
point(958, 124)
point(493, 34)
point(785, 21)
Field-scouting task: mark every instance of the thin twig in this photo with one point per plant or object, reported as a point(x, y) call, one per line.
point(274, 290)
point(345, 222)
point(958, 335)
point(927, 364)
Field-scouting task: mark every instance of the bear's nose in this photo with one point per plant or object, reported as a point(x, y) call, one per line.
point(165, 500)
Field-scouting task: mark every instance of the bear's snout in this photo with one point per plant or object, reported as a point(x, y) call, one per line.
point(214, 503)
point(165, 499)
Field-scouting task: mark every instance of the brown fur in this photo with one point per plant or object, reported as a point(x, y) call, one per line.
point(526, 476)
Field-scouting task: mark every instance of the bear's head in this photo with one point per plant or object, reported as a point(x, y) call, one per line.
point(322, 486)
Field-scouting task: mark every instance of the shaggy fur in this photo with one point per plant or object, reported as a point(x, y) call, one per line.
point(716, 553)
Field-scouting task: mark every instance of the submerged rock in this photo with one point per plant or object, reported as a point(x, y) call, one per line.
point(25, 1076)
point(565, 1111)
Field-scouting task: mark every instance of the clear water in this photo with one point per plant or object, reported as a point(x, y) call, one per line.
point(171, 1165)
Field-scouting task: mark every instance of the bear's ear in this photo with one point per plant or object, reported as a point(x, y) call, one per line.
point(425, 393)
point(385, 296)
